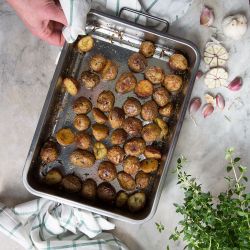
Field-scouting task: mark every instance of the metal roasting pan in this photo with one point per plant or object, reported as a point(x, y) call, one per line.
point(115, 38)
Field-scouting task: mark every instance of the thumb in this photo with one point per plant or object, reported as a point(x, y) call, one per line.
point(55, 13)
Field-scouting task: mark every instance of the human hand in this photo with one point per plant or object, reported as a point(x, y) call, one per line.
point(44, 18)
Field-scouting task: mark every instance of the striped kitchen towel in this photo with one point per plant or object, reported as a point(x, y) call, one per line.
point(48, 225)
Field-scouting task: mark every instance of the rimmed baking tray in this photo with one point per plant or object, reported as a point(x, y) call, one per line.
point(115, 38)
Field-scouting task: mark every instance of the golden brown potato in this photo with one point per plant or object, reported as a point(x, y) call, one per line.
point(106, 192)
point(121, 199)
point(100, 131)
point(119, 136)
point(136, 202)
point(85, 44)
point(149, 111)
point(149, 165)
point(53, 177)
point(137, 62)
point(154, 74)
point(173, 83)
point(151, 132)
point(99, 116)
point(147, 48)
point(178, 62)
point(152, 152)
point(116, 117)
point(131, 165)
point(126, 181)
point(82, 158)
point(71, 85)
point(89, 189)
point(82, 105)
point(71, 184)
point(81, 122)
point(142, 180)
point(89, 79)
point(144, 89)
point(83, 140)
point(161, 96)
point(105, 101)
point(97, 62)
point(163, 126)
point(116, 154)
point(132, 126)
point(132, 107)
point(48, 152)
point(110, 71)
point(135, 147)
point(65, 136)
point(125, 83)
point(100, 151)
point(167, 110)
point(107, 171)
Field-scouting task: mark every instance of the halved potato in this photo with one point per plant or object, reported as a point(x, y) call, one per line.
point(65, 136)
point(152, 152)
point(83, 140)
point(125, 83)
point(99, 116)
point(97, 62)
point(149, 111)
point(82, 105)
point(110, 71)
point(142, 180)
point(136, 201)
point(126, 181)
point(82, 158)
point(85, 44)
point(163, 126)
point(144, 89)
point(100, 131)
point(100, 151)
point(173, 83)
point(81, 122)
point(53, 177)
point(178, 62)
point(149, 165)
point(137, 62)
point(167, 110)
point(71, 183)
point(147, 48)
point(151, 132)
point(154, 74)
point(121, 199)
point(71, 85)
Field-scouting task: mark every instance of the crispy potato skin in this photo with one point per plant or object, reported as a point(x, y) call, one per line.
point(71, 85)
point(154, 74)
point(125, 83)
point(144, 89)
point(149, 165)
point(161, 96)
point(151, 132)
point(71, 184)
point(135, 147)
point(49, 152)
point(152, 152)
point(126, 181)
point(178, 62)
point(89, 189)
point(116, 117)
point(149, 111)
point(106, 193)
point(83, 140)
point(147, 48)
point(89, 79)
point(167, 110)
point(136, 202)
point(97, 62)
point(133, 126)
point(100, 150)
point(99, 116)
point(121, 199)
point(53, 177)
point(142, 180)
point(81, 122)
point(131, 165)
point(132, 107)
point(163, 126)
point(100, 131)
point(82, 158)
point(105, 101)
point(107, 171)
point(137, 62)
point(85, 44)
point(110, 71)
point(173, 83)
point(65, 136)
point(116, 154)
point(82, 105)
point(118, 136)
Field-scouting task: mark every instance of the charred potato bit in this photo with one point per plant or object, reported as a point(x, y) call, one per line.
point(133, 126)
point(85, 44)
point(100, 151)
point(116, 155)
point(53, 177)
point(82, 158)
point(116, 117)
point(99, 116)
point(97, 62)
point(82, 105)
point(137, 62)
point(100, 131)
point(126, 181)
point(178, 62)
point(167, 110)
point(147, 48)
point(83, 140)
point(110, 71)
point(121, 199)
point(136, 202)
point(149, 165)
point(154, 74)
point(89, 189)
point(173, 83)
point(71, 184)
point(105, 101)
point(48, 152)
point(142, 180)
point(106, 192)
point(135, 147)
point(71, 85)
point(81, 122)
point(132, 106)
point(161, 96)
point(65, 136)
point(125, 83)
point(118, 136)
point(151, 132)
point(163, 126)
point(152, 152)
point(131, 165)
point(89, 79)
point(149, 111)
point(144, 89)
point(107, 171)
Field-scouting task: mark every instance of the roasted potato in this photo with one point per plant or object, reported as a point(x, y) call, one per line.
point(71, 184)
point(135, 147)
point(48, 152)
point(116, 117)
point(71, 85)
point(131, 165)
point(125, 83)
point(137, 62)
point(83, 140)
point(105, 101)
point(53, 177)
point(178, 62)
point(167, 110)
point(106, 192)
point(132, 126)
point(97, 62)
point(89, 189)
point(149, 165)
point(132, 107)
point(107, 171)
point(110, 71)
point(65, 136)
point(152, 152)
point(144, 89)
point(136, 201)
point(89, 79)
point(147, 48)
point(82, 158)
point(161, 96)
point(99, 116)
point(142, 180)
point(121, 199)
point(163, 126)
point(151, 132)
point(119, 136)
point(100, 151)
point(100, 131)
point(149, 111)
point(126, 181)
point(154, 74)
point(81, 122)
point(173, 83)
point(85, 44)
point(82, 105)
point(116, 154)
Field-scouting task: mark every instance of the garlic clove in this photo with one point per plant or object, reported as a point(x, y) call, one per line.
point(194, 105)
point(207, 16)
point(207, 110)
point(235, 84)
point(199, 74)
point(220, 101)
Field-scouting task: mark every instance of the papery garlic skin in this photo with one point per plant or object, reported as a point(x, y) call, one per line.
point(234, 26)
point(207, 16)
point(207, 110)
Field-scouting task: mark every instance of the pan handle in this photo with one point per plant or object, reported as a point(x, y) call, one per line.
point(146, 15)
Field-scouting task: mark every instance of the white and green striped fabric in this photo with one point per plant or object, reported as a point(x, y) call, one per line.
point(47, 225)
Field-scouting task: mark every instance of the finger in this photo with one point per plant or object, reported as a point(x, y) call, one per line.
point(57, 26)
point(55, 13)
point(55, 37)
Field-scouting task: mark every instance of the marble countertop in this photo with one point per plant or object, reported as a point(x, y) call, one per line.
point(26, 68)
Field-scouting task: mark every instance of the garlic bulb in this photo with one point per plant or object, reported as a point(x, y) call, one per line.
point(234, 26)
point(216, 77)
